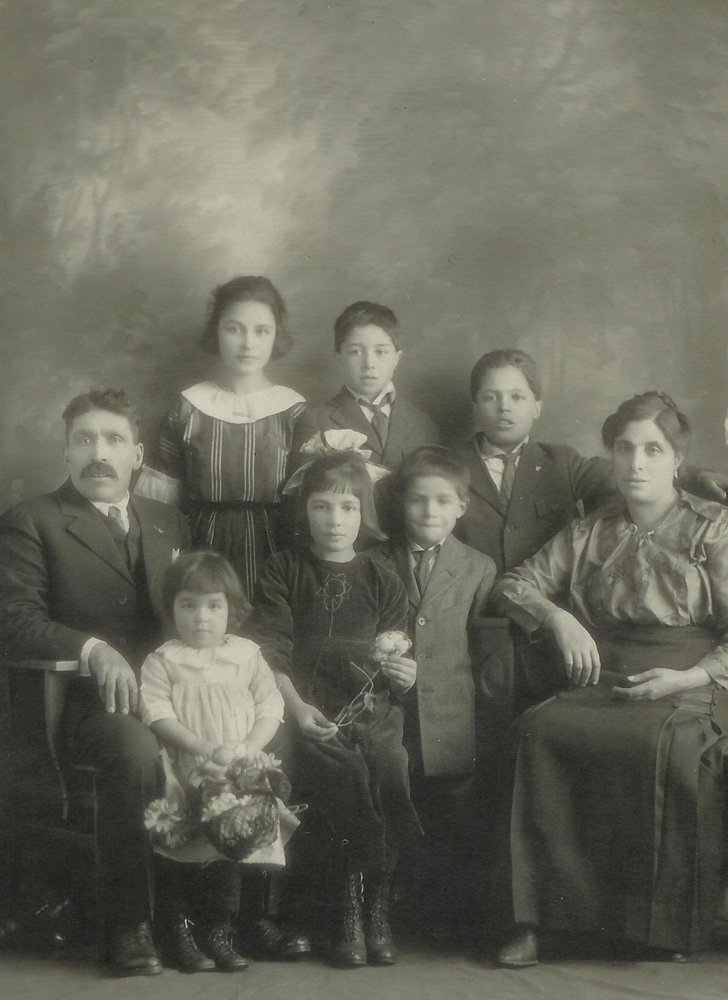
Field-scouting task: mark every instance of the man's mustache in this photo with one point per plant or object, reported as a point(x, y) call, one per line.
point(99, 469)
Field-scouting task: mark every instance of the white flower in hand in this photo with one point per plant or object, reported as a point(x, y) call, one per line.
point(389, 644)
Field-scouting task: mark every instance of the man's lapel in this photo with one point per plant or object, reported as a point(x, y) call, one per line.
point(156, 548)
point(87, 525)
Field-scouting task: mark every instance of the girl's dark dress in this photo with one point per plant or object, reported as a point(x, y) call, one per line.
point(314, 620)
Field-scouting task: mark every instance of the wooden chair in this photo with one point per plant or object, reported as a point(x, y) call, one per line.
point(54, 807)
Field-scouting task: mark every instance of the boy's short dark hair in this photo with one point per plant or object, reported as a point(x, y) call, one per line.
point(205, 573)
point(113, 400)
point(505, 358)
point(433, 460)
point(247, 288)
point(429, 460)
point(365, 314)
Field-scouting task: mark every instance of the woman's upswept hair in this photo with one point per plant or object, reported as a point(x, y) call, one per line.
point(205, 573)
point(505, 358)
point(655, 406)
point(340, 472)
point(249, 288)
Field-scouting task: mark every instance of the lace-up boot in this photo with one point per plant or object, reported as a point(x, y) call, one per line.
point(218, 944)
point(180, 947)
point(348, 948)
point(377, 932)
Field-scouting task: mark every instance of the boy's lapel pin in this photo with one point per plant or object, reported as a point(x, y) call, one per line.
point(538, 468)
point(175, 554)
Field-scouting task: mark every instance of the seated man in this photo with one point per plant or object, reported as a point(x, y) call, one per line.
point(80, 578)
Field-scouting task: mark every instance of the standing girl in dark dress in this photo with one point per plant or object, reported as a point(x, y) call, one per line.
point(318, 611)
point(223, 449)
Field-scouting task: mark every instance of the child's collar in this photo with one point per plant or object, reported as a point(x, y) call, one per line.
point(488, 450)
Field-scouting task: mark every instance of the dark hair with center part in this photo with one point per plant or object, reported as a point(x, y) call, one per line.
point(655, 406)
point(365, 314)
point(205, 573)
point(250, 288)
point(112, 400)
point(505, 358)
point(340, 472)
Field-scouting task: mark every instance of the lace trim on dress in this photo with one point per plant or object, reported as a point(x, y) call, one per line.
point(222, 404)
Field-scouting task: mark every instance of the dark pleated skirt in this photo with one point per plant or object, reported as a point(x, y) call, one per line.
point(246, 534)
point(616, 824)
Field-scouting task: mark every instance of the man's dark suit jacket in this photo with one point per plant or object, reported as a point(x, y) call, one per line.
point(63, 579)
point(409, 428)
point(553, 485)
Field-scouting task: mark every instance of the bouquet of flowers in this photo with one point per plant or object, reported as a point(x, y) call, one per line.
point(385, 645)
point(235, 806)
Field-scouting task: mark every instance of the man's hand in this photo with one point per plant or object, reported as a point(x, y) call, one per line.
point(118, 688)
point(401, 672)
point(581, 656)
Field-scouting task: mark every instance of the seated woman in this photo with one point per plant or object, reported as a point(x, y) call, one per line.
point(616, 822)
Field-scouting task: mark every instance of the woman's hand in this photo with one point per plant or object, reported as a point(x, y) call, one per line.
point(661, 681)
point(314, 724)
point(400, 671)
point(581, 656)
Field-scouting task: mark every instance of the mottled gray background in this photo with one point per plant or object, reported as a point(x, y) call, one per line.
point(549, 174)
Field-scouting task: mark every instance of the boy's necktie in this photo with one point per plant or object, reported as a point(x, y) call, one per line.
point(423, 566)
point(509, 474)
point(380, 420)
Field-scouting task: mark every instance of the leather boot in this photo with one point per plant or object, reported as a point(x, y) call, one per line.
point(180, 947)
point(130, 950)
point(348, 948)
point(218, 944)
point(377, 932)
point(264, 940)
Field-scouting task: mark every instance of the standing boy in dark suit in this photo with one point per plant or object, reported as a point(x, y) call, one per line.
point(448, 584)
point(81, 579)
point(366, 338)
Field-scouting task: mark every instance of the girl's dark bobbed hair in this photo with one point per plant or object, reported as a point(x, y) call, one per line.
point(249, 288)
point(655, 406)
point(205, 573)
point(340, 472)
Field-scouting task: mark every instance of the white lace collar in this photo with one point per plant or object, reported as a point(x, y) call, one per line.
point(222, 404)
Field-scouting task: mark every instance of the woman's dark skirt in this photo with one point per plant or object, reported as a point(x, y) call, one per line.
point(617, 814)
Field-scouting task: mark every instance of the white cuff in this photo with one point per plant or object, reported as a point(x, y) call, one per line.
point(83, 667)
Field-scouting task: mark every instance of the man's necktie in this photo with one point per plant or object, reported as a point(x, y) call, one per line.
point(380, 420)
point(117, 522)
point(509, 474)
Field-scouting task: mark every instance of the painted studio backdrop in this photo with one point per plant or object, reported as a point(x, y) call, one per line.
point(546, 174)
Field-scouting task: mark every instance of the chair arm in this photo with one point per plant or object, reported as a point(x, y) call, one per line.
point(52, 666)
point(491, 653)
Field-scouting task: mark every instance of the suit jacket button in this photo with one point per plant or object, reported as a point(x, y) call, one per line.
point(421, 656)
point(422, 621)
point(123, 600)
